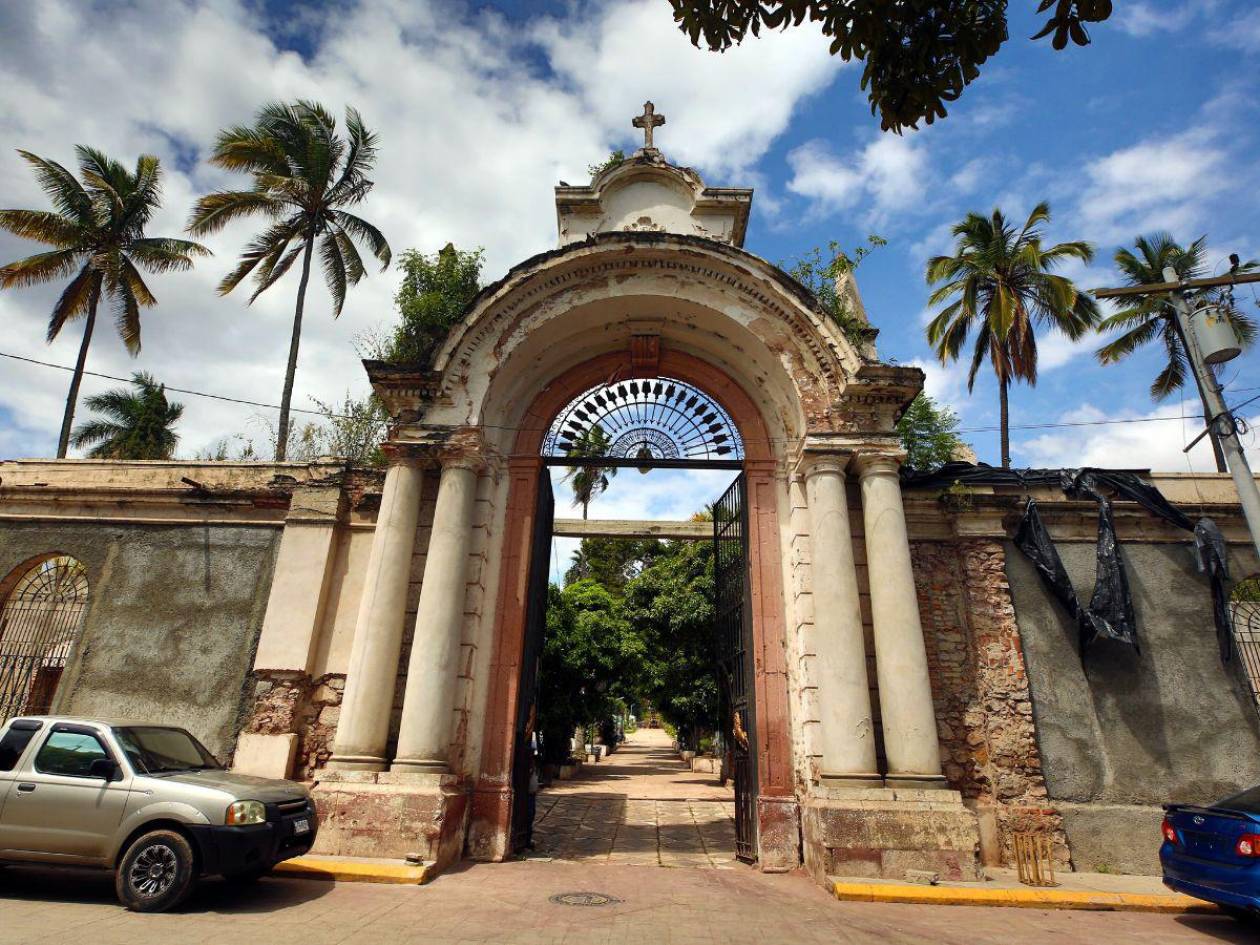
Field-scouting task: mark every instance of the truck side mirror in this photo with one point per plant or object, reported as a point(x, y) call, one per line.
point(105, 768)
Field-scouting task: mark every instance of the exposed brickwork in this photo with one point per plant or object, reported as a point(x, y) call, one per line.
point(292, 702)
point(980, 687)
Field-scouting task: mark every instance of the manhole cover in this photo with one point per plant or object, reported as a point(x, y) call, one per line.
point(583, 899)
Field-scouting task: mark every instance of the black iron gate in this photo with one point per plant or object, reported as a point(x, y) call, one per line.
point(733, 636)
point(535, 625)
point(39, 626)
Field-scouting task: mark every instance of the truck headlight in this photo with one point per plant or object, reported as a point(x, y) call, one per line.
point(240, 813)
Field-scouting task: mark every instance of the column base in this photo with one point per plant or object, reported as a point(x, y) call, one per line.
point(851, 780)
point(923, 782)
point(356, 763)
point(419, 766)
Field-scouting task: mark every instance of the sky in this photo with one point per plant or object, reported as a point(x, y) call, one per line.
point(482, 108)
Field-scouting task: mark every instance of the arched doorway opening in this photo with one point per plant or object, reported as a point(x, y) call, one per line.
point(40, 622)
point(678, 412)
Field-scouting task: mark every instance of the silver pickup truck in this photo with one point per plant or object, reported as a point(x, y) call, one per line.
point(146, 801)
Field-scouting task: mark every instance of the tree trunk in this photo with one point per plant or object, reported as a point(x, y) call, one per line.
point(282, 435)
point(1005, 423)
point(72, 398)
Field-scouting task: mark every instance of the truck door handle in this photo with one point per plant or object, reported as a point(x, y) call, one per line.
point(25, 788)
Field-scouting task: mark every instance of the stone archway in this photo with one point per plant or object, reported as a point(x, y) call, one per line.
point(778, 813)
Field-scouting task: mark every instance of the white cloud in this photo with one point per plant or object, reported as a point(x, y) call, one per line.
point(478, 118)
point(888, 175)
point(1146, 19)
point(944, 383)
point(1154, 442)
point(1160, 183)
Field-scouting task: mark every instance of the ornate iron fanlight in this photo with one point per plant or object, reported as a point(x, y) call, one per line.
point(647, 420)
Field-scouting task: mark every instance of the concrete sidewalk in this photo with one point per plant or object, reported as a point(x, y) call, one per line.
point(1090, 891)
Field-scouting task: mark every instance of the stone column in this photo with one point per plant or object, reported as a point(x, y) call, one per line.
point(905, 690)
point(844, 700)
point(428, 703)
point(363, 727)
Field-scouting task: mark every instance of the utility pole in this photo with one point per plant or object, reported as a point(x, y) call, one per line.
point(1222, 425)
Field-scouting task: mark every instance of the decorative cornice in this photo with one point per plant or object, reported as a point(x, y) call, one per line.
point(403, 389)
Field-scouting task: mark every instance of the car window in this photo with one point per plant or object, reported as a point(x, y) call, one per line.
point(14, 743)
point(1248, 802)
point(156, 749)
point(69, 753)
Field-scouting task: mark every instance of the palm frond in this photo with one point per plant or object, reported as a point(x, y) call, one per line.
point(77, 297)
point(1123, 346)
point(38, 269)
point(62, 188)
point(334, 271)
point(55, 229)
point(215, 211)
point(362, 230)
point(159, 254)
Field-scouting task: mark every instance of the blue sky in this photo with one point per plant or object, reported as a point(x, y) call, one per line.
point(483, 107)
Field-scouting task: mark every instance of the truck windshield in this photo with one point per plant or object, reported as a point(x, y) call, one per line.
point(159, 750)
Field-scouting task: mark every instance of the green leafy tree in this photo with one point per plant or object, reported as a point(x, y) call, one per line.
point(435, 294)
point(97, 231)
point(611, 562)
point(928, 434)
point(670, 607)
point(305, 175)
point(1148, 319)
point(829, 281)
point(1002, 285)
point(919, 54)
point(590, 661)
point(589, 481)
point(132, 423)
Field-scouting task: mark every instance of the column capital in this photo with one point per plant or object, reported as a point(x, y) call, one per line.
point(406, 454)
point(835, 461)
point(878, 464)
point(466, 449)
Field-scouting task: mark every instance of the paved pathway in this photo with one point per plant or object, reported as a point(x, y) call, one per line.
point(645, 766)
point(641, 806)
point(489, 904)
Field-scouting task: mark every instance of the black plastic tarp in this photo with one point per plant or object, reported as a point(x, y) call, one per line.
point(1109, 614)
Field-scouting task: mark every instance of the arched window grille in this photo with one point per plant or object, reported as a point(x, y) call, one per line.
point(1244, 612)
point(39, 626)
point(645, 419)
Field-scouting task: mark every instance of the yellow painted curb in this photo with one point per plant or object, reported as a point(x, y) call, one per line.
point(352, 871)
point(1019, 898)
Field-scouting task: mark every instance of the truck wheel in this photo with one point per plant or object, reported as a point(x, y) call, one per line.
point(156, 873)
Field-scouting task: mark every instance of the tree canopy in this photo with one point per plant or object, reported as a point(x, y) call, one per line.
point(435, 293)
point(131, 423)
point(927, 432)
point(919, 54)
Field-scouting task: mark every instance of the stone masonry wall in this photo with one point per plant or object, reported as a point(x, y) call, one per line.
point(980, 688)
point(292, 702)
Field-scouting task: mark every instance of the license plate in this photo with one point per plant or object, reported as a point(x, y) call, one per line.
point(301, 826)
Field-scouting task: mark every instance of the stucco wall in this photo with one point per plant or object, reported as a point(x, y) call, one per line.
point(1126, 732)
point(173, 618)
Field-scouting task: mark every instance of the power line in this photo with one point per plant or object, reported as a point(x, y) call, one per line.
point(178, 390)
point(255, 403)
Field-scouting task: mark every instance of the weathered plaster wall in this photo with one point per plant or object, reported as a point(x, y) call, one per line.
point(1126, 732)
point(173, 618)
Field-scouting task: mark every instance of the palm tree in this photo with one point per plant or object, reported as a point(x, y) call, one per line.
point(589, 481)
point(305, 175)
point(97, 227)
point(1150, 318)
point(135, 424)
point(1001, 281)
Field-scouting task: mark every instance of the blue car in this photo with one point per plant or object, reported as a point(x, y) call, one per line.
point(1213, 853)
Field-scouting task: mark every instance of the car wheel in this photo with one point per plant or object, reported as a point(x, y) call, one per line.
point(156, 873)
point(246, 877)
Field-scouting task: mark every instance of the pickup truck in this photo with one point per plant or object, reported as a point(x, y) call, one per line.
point(146, 801)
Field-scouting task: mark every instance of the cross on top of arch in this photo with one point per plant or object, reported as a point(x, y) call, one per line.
point(648, 121)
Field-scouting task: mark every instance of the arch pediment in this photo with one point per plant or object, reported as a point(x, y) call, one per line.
point(719, 301)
